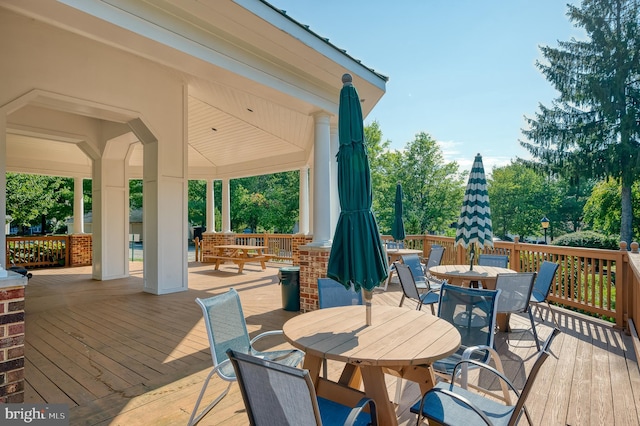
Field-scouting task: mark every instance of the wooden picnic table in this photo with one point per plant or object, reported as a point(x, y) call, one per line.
point(238, 254)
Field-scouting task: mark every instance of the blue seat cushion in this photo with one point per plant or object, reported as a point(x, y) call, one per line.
point(447, 410)
point(333, 413)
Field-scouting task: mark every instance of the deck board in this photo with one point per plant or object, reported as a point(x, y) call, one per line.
point(119, 356)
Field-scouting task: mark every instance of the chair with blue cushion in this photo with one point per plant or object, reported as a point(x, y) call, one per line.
point(227, 329)
point(331, 294)
point(472, 312)
point(424, 282)
point(410, 290)
point(449, 404)
point(542, 287)
point(276, 394)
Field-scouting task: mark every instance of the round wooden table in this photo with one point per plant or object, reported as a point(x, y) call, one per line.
point(399, 341)
point(462, 275)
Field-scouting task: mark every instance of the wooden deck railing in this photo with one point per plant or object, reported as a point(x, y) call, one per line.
point(37, 252)
point(279, 246)
point(591, 280)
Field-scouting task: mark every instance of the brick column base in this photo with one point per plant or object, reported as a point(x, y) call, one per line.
point(313, 265)
point(12, 338)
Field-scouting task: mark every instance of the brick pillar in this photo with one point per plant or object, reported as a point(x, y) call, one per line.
point(297, 241)
point(314, 261)
point(12, 338)
point(210, 239)
point(81, 250)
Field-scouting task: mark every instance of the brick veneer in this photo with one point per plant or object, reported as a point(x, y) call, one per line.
point(12, 344)
point(81, 249)
point(210, 239)
point(313, 265)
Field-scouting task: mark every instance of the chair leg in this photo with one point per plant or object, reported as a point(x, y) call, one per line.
point(553, 315)
point(401, 301)
point(533, 329)
point(195, 419)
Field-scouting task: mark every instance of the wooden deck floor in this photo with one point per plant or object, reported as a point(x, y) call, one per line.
point(118, 356)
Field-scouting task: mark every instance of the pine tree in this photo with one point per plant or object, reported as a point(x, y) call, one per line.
point(592, 128)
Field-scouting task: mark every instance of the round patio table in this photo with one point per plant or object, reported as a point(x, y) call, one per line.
point(400, 341)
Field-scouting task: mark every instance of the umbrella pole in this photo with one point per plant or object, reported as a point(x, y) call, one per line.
point(472, 254)
point(368, 295)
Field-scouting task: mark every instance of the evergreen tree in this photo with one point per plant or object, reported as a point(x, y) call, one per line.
point(592, 128)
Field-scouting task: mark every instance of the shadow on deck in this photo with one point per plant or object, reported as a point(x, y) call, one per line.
point(119, 356)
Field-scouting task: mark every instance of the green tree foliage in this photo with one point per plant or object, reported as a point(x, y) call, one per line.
point(518, 198)
point(33, 199)
point(197, 204)
point(433, 190)
point(592, 128)
point(265, 203)
point(602, 209)
point(135, 194)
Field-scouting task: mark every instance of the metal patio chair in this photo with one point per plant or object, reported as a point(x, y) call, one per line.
point(227, 329)
point(542, 287)
point(472, 312)
point(515, 296)
point(276, 394)
point(449, 404)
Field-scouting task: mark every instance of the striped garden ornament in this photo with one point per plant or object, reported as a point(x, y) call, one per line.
point(474, 224)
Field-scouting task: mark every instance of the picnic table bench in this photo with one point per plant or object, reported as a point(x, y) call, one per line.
point(238, 254)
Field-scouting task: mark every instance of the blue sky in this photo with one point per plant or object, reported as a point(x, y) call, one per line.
point(461, 70)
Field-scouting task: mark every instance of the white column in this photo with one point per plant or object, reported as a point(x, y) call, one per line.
point(226, 207)
point(78, 206)
point(303, 219)
point(322, 181)
point(335, 200)
point(211, 209)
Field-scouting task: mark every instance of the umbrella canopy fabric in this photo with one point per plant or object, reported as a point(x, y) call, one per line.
point(474, 224)
point(357, 255)
point(397, 230)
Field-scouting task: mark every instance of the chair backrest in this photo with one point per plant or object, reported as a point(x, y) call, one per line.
point(542, 357)
point(407, 282)
point(331, 293)
point(516, 291)
point(392, 245)
point(275, 394)
point(472, 312)
point(413, 262)
point(544, 280)
point(225, 324)
point(498, 260)
point(435, 256)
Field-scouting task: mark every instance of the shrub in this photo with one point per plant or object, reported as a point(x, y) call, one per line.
point(589, 239)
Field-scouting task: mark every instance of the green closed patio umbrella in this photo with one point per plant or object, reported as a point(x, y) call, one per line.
point(474, 224)
point(397, 230)
point(357, 255)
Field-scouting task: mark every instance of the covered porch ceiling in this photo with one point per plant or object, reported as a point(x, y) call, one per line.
point(255, 79)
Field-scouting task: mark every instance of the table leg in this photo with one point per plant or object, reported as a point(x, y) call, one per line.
point(351, 376)
point(313, 364)
point(376, 389)
point(502, 321)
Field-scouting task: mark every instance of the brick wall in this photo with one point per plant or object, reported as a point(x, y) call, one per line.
point(210, 239)
point(81, 249)
point(313, 265)
point(12, 344)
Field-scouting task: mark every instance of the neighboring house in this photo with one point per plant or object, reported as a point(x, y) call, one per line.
point(165, 92)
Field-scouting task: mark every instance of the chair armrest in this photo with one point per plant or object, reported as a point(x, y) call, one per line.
point(355, 412)
point(462, 400)
point(484, 366)
point(493, 354)
point(265, 334)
